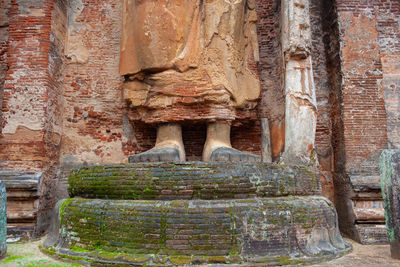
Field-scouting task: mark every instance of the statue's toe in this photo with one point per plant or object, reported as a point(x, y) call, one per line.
point(156, 154)
point(227, 154)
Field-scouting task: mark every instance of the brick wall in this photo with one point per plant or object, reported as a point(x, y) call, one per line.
point(364, 115)
point(361, 116)
point(27, 84)
point(4, 25)
point(324, 90)
point(31, 126)
point(93, 107)
point(389, 45)
point(53, 123)
point(272, 105)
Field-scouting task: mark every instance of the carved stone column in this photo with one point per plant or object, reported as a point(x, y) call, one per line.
point(301, 110)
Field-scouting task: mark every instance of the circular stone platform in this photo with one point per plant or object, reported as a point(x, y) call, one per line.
point(247, 230)
point(192, 180)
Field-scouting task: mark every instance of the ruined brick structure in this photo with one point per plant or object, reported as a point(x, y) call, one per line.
point(62, 105)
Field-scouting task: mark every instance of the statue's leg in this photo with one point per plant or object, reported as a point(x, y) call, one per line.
point(169, 146)
point(218, 145)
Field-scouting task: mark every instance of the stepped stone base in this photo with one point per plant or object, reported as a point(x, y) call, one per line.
point(192, 180)
point(372, 234)
point(367, 207)
point(22, 202)
point(210, 228)
point(267, 231)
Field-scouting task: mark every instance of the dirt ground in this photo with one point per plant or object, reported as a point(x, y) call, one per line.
point(28, 254)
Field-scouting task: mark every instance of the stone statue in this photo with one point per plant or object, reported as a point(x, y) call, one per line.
point(190, 60)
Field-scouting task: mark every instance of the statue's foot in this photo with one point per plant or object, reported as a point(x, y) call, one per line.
point(168, 148)
point(156, 154)
point(228, 154)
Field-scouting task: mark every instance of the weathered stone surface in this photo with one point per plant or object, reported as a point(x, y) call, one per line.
point(192, 180)
point(367, 205)
point(371, 233)
point(191, 60)
point(227, 154)
point(3, 220)
point(266, 151)
point(390, 182)
point(296, 28)
point(301, 111)
point(357, 37)
point(195, 213)
point(375, 215)
point(165, 154)
point(389, 45)
point(95, 129)
point(265, 231)
point(272, 103)
point(391, 85)
point(22, 202)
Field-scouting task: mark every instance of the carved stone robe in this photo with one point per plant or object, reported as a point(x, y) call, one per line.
point(189, 59)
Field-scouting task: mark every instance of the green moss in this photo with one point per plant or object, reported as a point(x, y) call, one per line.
point(216, 259)
point(306, 226)
point(163, 226)
point(103, 181)
point(64, 204)
point(11, 258)
point(49, 250)
point(181, 260)
point(52, 252)
point(79, 249)
point(281, 189)
point(136, 258)
point(149, 191)
point(286, 260)
point(108, 255)
point(38, 264)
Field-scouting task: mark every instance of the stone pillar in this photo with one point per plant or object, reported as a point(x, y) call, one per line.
point(301, 111)
point(3, 220)
point(390, 183)
point(265, 141)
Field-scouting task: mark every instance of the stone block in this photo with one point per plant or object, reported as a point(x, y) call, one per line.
point(390, 182)
point(22, 202)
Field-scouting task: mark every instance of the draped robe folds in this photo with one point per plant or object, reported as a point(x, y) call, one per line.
point(189, 59)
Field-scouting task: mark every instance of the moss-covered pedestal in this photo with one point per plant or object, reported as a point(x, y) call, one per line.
point(3, 220)
point(195, 213)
